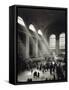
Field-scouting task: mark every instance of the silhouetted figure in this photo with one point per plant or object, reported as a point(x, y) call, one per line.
point(38, 74)
point(40, 66)
point(59, 72)
point(51, 67)
point(35, 74)
point(29, 80)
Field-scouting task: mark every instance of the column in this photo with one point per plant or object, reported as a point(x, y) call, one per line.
point(57, 44)
point(27, 46)
point(36, 47)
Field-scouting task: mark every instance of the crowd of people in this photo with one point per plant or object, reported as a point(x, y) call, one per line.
point(55, 68)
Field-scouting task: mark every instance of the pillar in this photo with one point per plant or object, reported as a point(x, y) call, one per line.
point(57, 44)
point(36, 48)
point(27, 46)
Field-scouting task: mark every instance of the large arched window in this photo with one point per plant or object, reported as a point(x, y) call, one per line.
point(62, 41)
point(52, 41)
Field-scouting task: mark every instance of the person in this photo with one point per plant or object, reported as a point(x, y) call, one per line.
point(40, 66)
point(38, 74)
point(29, 79)
point(51, 67)
point(59, 71)
point(35, 74)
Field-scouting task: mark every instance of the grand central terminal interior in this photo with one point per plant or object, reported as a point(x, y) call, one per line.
point(41, 45)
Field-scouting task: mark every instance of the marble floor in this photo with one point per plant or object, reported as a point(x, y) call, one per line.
point(24, 76)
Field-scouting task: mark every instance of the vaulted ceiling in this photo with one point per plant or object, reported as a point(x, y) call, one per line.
point(44, 19)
